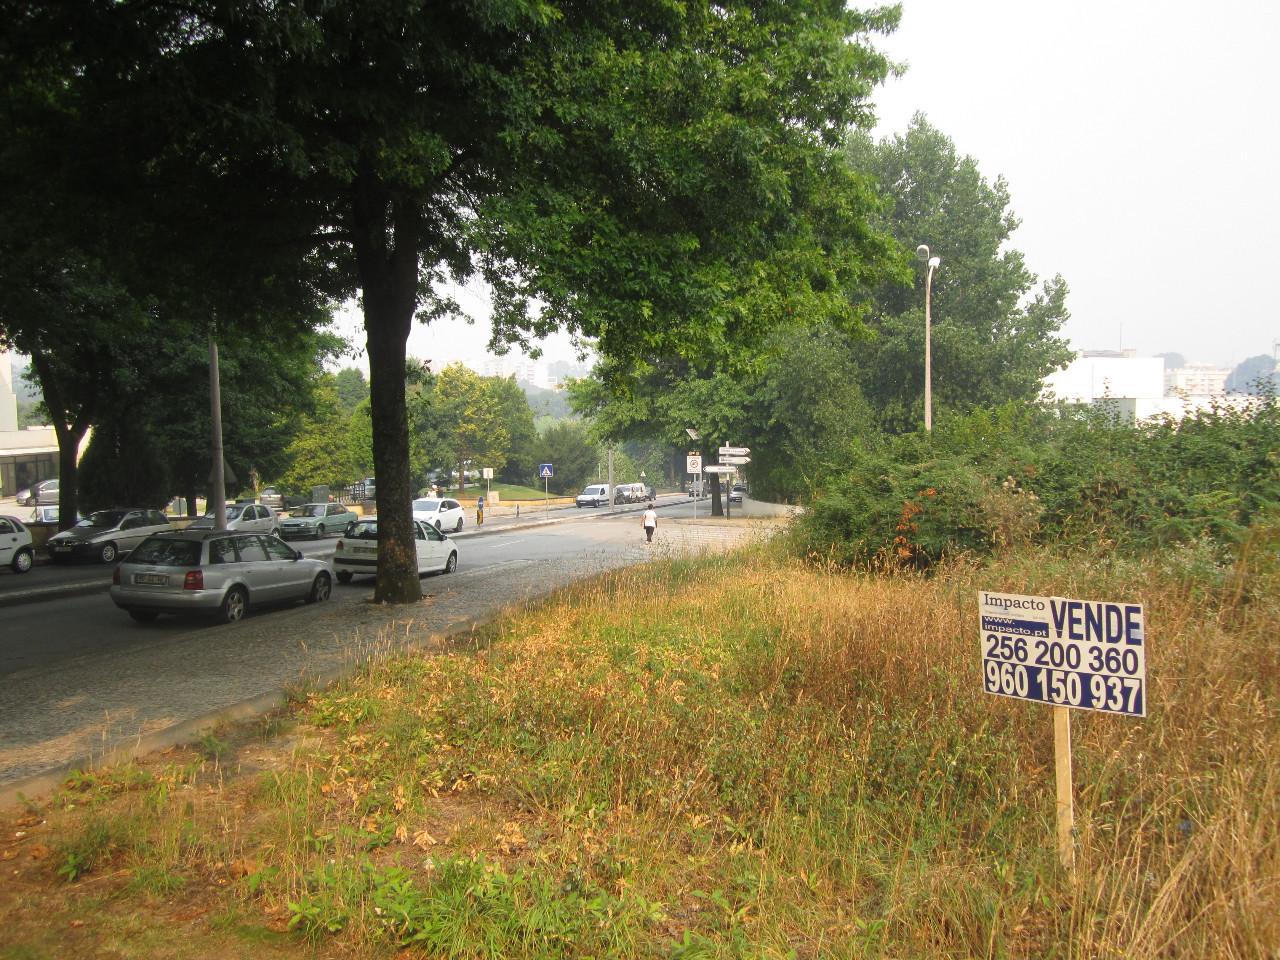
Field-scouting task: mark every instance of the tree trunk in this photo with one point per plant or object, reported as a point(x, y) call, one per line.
point(717, 505)
point(69, 434)
point(385, 241)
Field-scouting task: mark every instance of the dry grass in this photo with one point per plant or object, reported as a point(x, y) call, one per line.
point(731, 757)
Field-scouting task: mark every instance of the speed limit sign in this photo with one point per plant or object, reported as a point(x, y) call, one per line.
point(693, 463)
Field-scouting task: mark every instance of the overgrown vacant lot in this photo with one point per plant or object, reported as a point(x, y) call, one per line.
point(731, 757)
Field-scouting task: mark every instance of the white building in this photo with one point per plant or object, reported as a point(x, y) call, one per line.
point(1135, 387)
point(25, 455)
point(1196, 380)
point(1107, 374)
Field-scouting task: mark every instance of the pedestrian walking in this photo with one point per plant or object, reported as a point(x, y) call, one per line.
point(480, 511)
point(650, 522)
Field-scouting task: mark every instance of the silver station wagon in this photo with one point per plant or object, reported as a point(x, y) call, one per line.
point(218, 573)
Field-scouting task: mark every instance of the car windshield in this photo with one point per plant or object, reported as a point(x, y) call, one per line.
point(363, 530)
point(102, 518)
point(233, 513)
point(310, 510)
point(426, 506)
point(163, 552)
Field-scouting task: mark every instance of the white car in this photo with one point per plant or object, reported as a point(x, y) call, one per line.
point(357, 550)
point(243, 518)
point(443, 514)
point(15, 545)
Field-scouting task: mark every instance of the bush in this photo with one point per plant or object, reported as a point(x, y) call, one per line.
point(996, 478)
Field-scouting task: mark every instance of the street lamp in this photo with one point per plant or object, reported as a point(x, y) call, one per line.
point(922, 254)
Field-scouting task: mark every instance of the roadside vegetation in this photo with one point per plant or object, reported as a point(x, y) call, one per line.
point(748, 755)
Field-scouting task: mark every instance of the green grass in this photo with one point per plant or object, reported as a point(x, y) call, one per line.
point(748, 757)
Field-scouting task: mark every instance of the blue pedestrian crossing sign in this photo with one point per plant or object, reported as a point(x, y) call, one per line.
point(546, 471)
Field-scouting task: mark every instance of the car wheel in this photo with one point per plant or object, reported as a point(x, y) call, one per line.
point(234, 605)
point(22, 561)
point(459, 526)
point(451, 564)
point(320, 589)
point(107, 552)
point(437, 526)
point(344, 576)
point(320, 531)
point(143, 616)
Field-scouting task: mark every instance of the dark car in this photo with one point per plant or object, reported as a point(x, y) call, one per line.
point(105, 534)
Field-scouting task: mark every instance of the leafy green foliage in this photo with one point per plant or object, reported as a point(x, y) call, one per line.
point(321, 453)
point(990, 344)
point(568, 446)
point(1002, 477)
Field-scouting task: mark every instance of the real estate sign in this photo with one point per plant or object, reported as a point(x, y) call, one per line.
point(1086, 654)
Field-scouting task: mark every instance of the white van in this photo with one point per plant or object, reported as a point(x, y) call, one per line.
point(629, 493)
point(594, 495)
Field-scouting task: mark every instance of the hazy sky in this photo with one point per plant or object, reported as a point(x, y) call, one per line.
point(1142, 150)
point(1141, 147)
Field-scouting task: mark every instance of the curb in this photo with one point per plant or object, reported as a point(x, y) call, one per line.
point(14, 598)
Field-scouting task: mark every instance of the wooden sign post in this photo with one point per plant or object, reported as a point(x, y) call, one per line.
point(1070, 654)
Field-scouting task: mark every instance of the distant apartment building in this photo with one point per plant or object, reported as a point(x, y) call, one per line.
point(520, 367)
point(1136, 388)
point(1196, 380)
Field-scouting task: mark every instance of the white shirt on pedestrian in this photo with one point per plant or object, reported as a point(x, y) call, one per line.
point(651, 517)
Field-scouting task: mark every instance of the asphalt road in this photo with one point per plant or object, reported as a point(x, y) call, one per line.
point(78, 676)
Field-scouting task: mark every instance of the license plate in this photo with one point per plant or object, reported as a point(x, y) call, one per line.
point(364, 550)
point(159, 579)
point(61, 548)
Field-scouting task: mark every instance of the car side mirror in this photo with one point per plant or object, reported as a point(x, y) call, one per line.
point(297, 554)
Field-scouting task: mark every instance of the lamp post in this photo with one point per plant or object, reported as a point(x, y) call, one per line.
point(922, 254)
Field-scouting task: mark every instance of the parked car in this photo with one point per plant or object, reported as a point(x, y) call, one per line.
point(46, 513)
point(737, 493)
point(357, 550)
point(106, 534)
point(629, 493)
point(317, 520)
point(593, 496)
point(244, 517)
point(15, 545)
point(441, 513)
point(271, 497)
point(46, 491)
point(215, 573)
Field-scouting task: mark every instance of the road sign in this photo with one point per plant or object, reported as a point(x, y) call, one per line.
point(487, 473)
point(1069, 653)
point(734, 452)
point(693, 463)
point(736, 460)
point(546, 471)
point(719, 468)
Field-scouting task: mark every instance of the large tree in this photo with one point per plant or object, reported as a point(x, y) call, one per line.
point(995, 335)
point(630, 167)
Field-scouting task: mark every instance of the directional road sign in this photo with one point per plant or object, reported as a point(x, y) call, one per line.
point(719, 468)
point(734, 451)
point(738, 461)
point(546, 471)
